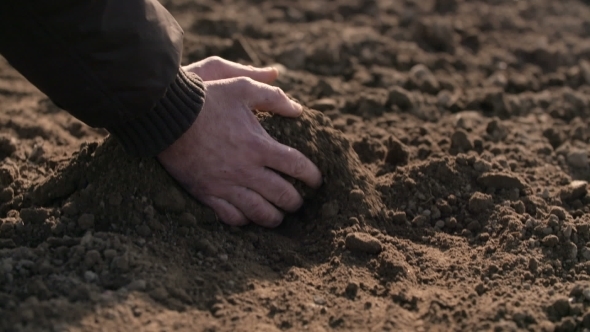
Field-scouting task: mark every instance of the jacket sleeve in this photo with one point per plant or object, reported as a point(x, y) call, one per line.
point(111, 63)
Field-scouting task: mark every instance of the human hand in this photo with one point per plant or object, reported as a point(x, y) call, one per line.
point(227, 160)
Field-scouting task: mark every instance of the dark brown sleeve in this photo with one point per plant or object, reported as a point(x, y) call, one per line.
point(111, 63)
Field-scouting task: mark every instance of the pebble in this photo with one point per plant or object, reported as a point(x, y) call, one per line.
point(501, 180)
point(363, 242)
point(90, 276)
point(187, 219)
point(319, 300)
point(137, 285)
point(170, 200)
point(120, 263)
point(324, 104)
point(330, 209)
point(91, 258)
point(481, 165)
point(70, 209)
point(586, 293)
point(419, 220)
point(401, 98)
point(480, 202)
point(399, 217)
point(559, 212)
point(356, 195)
point(578, 158)
point(397, 152)
point(6, 194)
point(576, 189)
point(424, 79)
point(86, 221)
point(550, 241)
point(460, 141)
point(159, 294)
point(440, 224)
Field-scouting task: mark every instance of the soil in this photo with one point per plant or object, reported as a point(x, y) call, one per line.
point(453, 137)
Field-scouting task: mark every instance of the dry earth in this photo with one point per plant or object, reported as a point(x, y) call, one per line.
point(453, 136)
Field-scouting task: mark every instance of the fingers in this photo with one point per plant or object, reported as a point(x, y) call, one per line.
point(228, 213)
point(293, 163)
point(275, 189)
point(216, 68)
point(268, 98)
point(255, 207)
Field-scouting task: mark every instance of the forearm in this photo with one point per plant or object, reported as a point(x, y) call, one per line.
point(110, 63)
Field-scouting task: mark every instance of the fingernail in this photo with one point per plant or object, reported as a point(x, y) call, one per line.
point(297, 107)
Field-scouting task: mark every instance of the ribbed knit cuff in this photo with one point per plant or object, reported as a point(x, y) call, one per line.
point(154, 131)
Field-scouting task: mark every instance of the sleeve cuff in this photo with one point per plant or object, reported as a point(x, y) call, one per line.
point(154, 131)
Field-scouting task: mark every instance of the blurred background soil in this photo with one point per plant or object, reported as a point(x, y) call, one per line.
point(454, 139)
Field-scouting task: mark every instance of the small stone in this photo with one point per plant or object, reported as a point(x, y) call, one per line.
point(8, 145)
point(559, 212)
point(399, 217)
point(501, 180)
point(120, 263)
point(170, 200)
point(109, 254)
point(578, 158)
point(90, 276)
point(92, 258)
point(586, 293)
point(440, 224)
point(401, 98)
point(330, 209)
point(576, 189)
point(70, 209)
point(550, 241)
point(356, 195)
point(363, 242)
point(159, 294)
point(481, 165)
point(473, 226)
point(480, 202)
point(351, 289)
point(143, 230)
point(419, 220)
point(324, 104)
point(319, 300)
point(137, 285)
point(187, 219)
point(86, 221)
point(561, 307)
point(424, 79)
point(6, 194)
point(460, 142)
point(397, 152)
point(8, 174)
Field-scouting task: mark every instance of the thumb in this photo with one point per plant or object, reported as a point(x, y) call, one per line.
point(216, 68)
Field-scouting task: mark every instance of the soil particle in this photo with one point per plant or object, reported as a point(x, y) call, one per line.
point(501, 180)
point(170, 199)
point(363, 242)
point(480, 202)
point(86, 221)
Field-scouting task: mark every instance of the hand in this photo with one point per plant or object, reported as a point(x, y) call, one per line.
point(227, 160)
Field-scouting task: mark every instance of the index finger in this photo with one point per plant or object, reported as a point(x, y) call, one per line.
point(291, 162)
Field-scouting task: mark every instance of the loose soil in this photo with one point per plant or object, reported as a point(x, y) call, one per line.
point(453, 137)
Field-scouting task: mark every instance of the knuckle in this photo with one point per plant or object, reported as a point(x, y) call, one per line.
point(287, 200)
point(298, 166)
point(262, 213)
